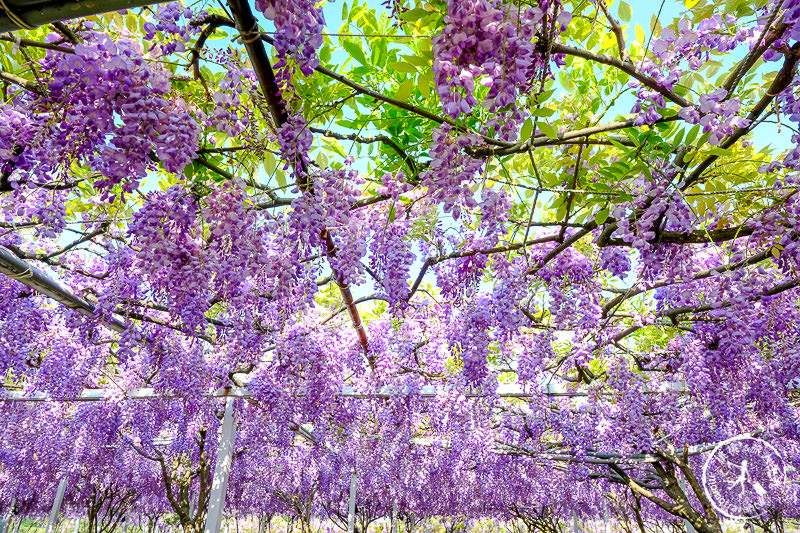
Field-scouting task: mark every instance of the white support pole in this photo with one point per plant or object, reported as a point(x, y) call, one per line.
point(262, 523)
point(605, 520)
point(394, 518)
point(77, 525)
point(351, 508)
point(574, 522)
point(52, 520)
point(17, 524)
point(6, 520)
point(9, 516)
point(219, 486)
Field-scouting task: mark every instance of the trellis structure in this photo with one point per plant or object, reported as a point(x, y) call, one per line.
point(613, 217)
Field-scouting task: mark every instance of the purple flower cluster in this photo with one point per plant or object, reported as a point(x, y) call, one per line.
point(175, 24)
point(615, 260)
point(391, 258)
point(491, 43)
point(229, 114)
point(495, 209)
point(694, 343)
point(294, 140)
point(716, 114)
point(327, 209)
point(114, 108)
point(572, 289)
point(299, 25)
point(451, 171)
point(674, 51)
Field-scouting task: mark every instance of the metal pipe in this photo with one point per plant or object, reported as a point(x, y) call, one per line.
point(216, 501)
point(52, 520)
point(27, 274)
point(351, 507)
point(38, 13)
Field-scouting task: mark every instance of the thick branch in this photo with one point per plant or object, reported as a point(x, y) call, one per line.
point(248, 27)
point(626, 67)
point(778, 85)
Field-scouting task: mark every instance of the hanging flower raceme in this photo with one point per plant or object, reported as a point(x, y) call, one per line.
point(490, 42)
point(114, 112)
point(298, 25)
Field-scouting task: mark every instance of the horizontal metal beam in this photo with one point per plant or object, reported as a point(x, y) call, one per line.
point(37, 13)
point(27, 274)
point(505, 390)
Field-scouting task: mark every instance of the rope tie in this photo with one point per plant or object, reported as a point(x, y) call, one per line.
point(16, 19)
point(246, 37)
point(27, 274)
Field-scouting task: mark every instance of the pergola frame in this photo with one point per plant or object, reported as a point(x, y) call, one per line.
point(29, 14)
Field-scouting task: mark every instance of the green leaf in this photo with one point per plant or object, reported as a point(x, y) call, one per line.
point(640, 36)
point(655, 25)
point(601, 216)
point(543, 97)
point(676, 141)
point(404, 90)
point(722, 152)
point(425, 83)
point(619, 145)
point(542, 112)
point(548, 130)
point(601, 187)
point(527, 129)
point(270, 164)
point(419, 61)
point(402, 66)
point(380, 52)
point(356, 13)
point(692, 135)
point(280, 177)
point(414, 14)
point(625, 11)
point(391, 213)
point(355, 52)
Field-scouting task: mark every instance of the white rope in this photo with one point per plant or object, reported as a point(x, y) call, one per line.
point(26, 274)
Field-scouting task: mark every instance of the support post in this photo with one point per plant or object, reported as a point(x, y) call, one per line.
point(574, 522)
point(77, 525)
point(219, 486)
point(9, 517)
point(262, 523)
point(17, 524)
point(351, 508)
point(394, 518)
point(52, 520)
